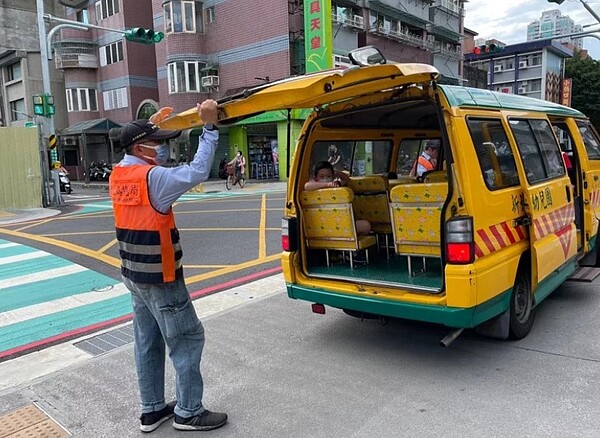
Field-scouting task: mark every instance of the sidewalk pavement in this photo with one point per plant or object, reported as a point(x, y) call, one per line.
point(87, 387)
point(13, 216)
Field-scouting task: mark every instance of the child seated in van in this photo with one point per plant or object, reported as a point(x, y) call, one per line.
point(326, 178)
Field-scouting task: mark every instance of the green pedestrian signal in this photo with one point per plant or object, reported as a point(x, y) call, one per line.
point(144, 36)
point(38, 105)
point(49, 105)
point(43, 105)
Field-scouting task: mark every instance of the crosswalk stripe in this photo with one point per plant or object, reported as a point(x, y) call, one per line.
point(22, 257)
point(8, 245)
point(59, 305)
point(41, 275)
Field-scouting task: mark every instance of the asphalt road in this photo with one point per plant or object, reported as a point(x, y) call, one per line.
point(224, 234)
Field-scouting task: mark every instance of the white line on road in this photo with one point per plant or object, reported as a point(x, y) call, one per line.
point(23, 257)
point(47, 308)
point(42, 275)
point(9, 245)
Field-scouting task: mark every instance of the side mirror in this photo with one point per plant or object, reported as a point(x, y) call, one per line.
point(368, 55)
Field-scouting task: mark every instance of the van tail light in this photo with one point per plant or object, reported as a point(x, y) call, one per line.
point(289, 233)
point(460, 246)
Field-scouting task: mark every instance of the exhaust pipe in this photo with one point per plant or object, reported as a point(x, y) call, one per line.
point(450, 337)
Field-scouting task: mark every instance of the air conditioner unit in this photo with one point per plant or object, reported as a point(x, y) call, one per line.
point(523, 83)
point(497, 68)
point(210, 81)
point(522, 64)
point(522, 90)
point(69, 141)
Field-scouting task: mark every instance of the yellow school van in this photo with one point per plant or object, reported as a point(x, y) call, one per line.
point(479, 204)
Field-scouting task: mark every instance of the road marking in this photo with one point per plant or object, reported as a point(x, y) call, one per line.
point(23, 257)
point(41, 275)
point(262, 234)
point(59, 305)
point(8, 245)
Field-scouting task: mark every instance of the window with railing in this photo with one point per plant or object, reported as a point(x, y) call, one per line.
point(81, 99)
point(114, 99)
point(183, 17)
point(186, 76)
point(111, 53)
point(106, 8)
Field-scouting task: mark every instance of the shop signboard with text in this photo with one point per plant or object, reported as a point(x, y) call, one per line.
point(318, 35)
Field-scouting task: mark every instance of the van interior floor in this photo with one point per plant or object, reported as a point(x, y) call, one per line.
point(379, 269)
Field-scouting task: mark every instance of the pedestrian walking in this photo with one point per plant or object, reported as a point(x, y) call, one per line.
point(151, 266)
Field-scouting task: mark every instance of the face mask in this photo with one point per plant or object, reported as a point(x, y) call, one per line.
point(162, 154)
point(327, 179)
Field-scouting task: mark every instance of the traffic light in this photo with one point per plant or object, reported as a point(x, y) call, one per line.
point(144, 36)
point(38, 105)
point(43, 105)
point(485, 49)
point(556, 1)
point(48, 105)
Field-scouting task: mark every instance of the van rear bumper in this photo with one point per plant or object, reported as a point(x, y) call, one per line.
point(457, 317)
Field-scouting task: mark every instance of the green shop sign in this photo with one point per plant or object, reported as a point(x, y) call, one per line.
point(318, 32)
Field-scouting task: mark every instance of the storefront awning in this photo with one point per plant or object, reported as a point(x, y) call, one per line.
point(95, 126)
point(392, 12)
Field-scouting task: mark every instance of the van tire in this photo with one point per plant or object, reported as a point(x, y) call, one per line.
point(522, 311)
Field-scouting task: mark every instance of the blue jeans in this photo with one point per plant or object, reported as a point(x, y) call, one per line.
point(163, 313)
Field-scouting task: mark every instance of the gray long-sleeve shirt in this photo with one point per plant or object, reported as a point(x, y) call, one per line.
point(167, 184)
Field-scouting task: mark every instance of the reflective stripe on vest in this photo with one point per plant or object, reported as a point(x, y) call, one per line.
point(148, 239)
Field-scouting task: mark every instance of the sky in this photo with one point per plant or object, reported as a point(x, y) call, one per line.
point(507, 20)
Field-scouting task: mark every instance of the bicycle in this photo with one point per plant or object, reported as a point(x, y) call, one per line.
point(234, 176)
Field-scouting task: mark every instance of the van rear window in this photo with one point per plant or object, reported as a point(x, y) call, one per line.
point(494, 154)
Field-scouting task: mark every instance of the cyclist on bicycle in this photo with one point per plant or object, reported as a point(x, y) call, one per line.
point(240, 165)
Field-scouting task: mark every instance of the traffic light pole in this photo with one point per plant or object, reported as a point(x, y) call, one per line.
point(48, 126)
point(590, 10)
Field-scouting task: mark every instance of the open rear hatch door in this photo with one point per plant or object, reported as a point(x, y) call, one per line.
point(309, 91)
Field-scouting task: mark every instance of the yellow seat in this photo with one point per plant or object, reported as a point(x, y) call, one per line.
point(416, 219)
point(329, 223)
point(402, 179)
point(371, 203)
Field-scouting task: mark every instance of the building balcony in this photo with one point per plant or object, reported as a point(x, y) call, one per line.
point(403, 35)
point(75, 54)
point(452, 53)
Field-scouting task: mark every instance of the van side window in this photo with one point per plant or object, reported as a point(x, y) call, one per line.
point(590, 140)
point(410, 148)
point(494, 154)
point(539, 151)
point(355, 157)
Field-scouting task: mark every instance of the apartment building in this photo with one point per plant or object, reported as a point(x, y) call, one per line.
point(533, 69)
point(552, 24)
point(216, 48)
point(20, 64)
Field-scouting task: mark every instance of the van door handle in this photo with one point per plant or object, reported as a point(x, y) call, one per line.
point(568, 189)
point(523, 220)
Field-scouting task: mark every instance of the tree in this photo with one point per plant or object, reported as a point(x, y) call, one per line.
point(585, 73)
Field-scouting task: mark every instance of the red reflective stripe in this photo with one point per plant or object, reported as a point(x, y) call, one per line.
point(509, 234)
point(486, 240)
point(498, 236)
point(478, 251)
point(520, 232)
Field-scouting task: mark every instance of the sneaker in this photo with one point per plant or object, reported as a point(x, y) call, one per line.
point(207, 420)
point(151, 420)
point(359, 256)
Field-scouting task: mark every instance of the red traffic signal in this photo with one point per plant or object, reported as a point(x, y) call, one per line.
point(488, 48)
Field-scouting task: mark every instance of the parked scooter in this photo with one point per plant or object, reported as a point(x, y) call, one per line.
point(65, 183)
